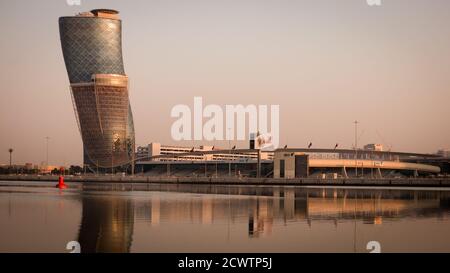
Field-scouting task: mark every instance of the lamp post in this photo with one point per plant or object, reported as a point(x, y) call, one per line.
point(10, 150)
point(356, 148)
point(46, 157)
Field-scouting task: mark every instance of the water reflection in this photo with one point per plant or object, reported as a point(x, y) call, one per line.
point(175, 218)
point(108, 220)
point(290, 204)
point(106, 224)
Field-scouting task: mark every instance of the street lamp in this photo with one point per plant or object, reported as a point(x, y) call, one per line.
point(10, 150)
point(46, 162)
point(356, 147)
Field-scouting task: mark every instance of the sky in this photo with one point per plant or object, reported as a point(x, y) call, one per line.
point(326, 63)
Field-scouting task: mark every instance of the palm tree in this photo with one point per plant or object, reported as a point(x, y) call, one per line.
point(11, 150)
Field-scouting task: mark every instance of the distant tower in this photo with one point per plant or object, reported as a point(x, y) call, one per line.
point(92, 48)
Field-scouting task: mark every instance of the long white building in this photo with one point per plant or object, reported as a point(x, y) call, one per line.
point(158, 152)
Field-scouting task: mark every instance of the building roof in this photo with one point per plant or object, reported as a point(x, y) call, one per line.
point(108, 11)
point(350, 151)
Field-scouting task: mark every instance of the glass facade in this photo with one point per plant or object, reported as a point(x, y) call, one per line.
point(92, 52)
point(91, 45)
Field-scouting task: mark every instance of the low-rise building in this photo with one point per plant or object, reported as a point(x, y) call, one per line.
point(444, 153)
point(158, 152)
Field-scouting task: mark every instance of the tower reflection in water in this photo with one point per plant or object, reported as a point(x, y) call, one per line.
point(109, 219)
point(107, 224)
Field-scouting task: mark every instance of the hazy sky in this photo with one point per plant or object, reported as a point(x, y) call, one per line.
point(326, 63)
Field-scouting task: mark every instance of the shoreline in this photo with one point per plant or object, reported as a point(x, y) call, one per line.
point(245, 181)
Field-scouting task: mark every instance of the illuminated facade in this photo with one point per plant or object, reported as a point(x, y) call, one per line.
point(92, 48)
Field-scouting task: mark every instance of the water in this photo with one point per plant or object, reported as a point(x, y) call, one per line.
point(35, 217)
